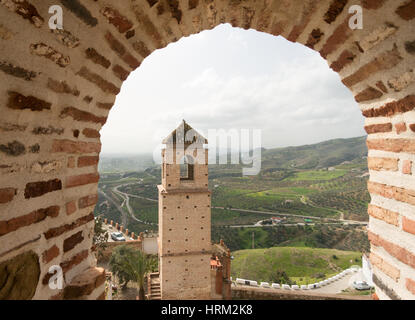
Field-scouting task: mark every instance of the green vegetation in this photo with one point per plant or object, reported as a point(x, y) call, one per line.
point(100, 238)
point(301, 265)
point(318, 236)
point(129, 264)
point(317, 175)
point(324, 180)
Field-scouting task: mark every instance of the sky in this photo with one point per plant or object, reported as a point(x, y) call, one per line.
point(230, 78)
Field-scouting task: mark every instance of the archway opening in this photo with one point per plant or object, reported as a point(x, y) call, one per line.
point(310, 188)
point(60, 85)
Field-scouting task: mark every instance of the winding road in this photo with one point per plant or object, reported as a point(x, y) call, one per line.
point(126, 203)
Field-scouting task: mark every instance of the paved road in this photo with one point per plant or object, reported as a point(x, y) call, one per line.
point(126, 197)
point(122, 212)
point(126, 202)
point(258, 224)
point(342, 284)
point(351, 222)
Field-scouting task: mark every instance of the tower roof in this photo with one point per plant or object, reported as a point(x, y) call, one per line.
point(182, 132)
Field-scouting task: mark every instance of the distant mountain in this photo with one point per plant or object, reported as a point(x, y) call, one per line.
point(125, 163)
point(320, 155)
point(314, 156)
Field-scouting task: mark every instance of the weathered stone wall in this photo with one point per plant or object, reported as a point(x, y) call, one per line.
point(58, 87)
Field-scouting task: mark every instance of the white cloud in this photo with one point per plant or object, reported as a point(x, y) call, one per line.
point(279, 87)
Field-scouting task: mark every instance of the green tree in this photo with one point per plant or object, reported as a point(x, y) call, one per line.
point(129, 264)
point(279, 276)
point(100, 238)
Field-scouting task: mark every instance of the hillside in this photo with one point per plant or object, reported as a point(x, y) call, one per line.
point(315, 156)
point(300, 265)
point(294, 183)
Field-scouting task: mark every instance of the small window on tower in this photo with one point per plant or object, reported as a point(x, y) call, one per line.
point(186, 168)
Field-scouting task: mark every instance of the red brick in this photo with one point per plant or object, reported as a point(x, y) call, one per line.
point(99, 81)
point(54, 232)
point(87, 161)
point(58, 296)
point(88, 201)
point(106, 106)
point(50, 254)
point(408, 225)
point(368, 94)
point(101, 296)
point(314, 38)
point(70, 207)
point(407, 167)
point(388, 269)
point(407, 10)
point(80, 180)
point(384, 61)
point(116, 19)
point(37, 189)
point(26, 10)
point(36, 216)
point(392, 108)
point(20, 102)
point(381, 86)
point(345, 58)
point(91, 133)
point(141, 48)
point(43, 50)
point(400, 194)
point(372, 4)
point(120, 72)
point(71, 162)
point(298, 29)
point(68, 264)
point(394, 250)
point(72, 241)
point(339, 36)
point(7, 194)
point(380, 164)
point(388, 216)
point(119, 48)
point(69, 146)
point(400, 127)
point(392, 145)
point(80, 115)
point(97, 58)
point(336, 7)
point(377, 128)
point(75, 260)
point(85, 283)
point(62, 87)
point(410, 285)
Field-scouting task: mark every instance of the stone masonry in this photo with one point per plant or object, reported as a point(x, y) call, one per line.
point(184, 218)
point(58, 86)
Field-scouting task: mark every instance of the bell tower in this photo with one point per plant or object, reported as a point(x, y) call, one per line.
point(184, 217)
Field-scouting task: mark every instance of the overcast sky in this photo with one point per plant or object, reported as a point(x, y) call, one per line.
point(232, 78)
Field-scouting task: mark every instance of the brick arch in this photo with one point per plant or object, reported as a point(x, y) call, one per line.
point(58, 87)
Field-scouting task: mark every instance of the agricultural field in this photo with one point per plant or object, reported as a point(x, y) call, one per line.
point(312, 184)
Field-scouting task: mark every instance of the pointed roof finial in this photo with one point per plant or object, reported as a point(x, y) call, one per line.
point(184, 134)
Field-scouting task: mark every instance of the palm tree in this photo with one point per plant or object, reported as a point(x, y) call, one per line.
point(130, 265)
